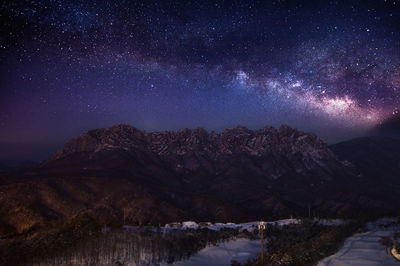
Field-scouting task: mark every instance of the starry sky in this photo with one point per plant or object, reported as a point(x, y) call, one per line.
point(330, 67)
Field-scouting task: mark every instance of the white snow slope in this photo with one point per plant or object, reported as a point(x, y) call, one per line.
point(218, 226)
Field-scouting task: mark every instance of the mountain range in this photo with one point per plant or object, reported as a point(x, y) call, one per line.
point(124, 174)
point(388, 128)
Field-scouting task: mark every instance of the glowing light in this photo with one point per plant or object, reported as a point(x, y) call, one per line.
point(297, 84)
point(242, 76)
point(337, 105)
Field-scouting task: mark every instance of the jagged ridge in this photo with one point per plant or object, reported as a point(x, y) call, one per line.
point(286, 142)
point(229, 141)
point(235, 175)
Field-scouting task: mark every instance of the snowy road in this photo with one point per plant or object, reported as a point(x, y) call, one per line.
point(362, 249)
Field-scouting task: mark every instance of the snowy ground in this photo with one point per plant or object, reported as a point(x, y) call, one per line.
point(239, 249)
point(242, 226)
point(223, 253)
point(214, 226)
point(217, 226)
point(364, 249)
point(331, 222)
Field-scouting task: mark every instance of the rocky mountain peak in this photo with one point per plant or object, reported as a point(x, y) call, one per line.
point(231, 141)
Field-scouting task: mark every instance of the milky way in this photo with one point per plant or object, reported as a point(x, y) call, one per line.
point(67, 66)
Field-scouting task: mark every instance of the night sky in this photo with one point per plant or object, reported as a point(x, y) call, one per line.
point(330, 67)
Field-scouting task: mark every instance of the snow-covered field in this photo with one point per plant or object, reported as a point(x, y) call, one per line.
point(360, 249)
point(250, 226)
point(365, 249)
point(239, 249)
point(331, 222)
point(223, 253)
point(218, 226)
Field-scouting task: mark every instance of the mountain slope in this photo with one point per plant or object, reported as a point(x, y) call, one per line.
point(388, 128)
point(122, 173)
point(377, 159)
point(374, 156)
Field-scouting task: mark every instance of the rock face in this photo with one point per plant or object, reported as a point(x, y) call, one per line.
point(188, 150)
point(155, 177)
point(169, 143)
